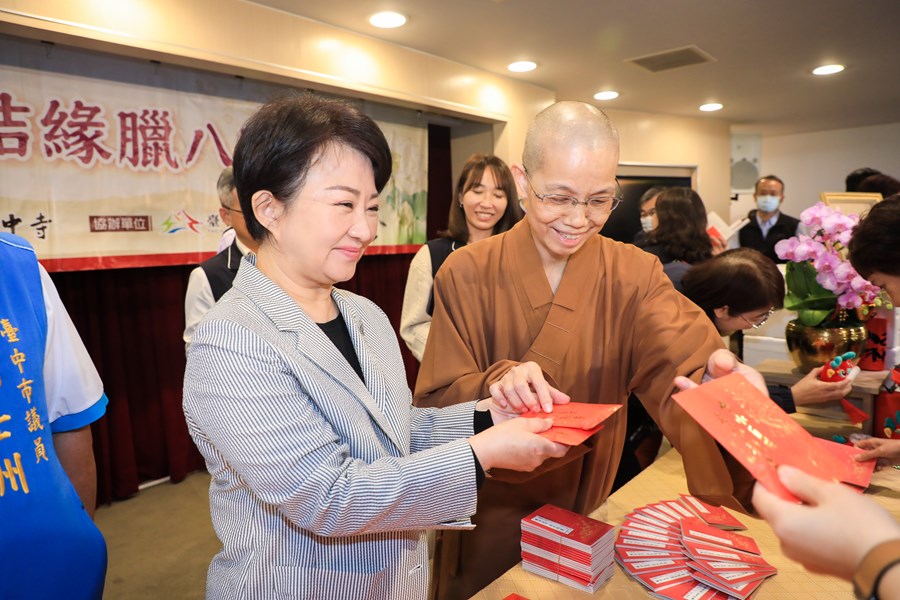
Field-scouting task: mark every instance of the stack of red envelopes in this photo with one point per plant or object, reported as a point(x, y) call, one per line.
point(567, 547)
point(674, 550)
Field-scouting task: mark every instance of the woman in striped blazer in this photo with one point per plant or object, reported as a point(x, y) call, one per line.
point(324, 477)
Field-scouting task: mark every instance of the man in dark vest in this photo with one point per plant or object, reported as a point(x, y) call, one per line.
point(768, 225)
point(210, 280)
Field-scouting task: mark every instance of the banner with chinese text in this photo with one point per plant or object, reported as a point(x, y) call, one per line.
point(110, 162)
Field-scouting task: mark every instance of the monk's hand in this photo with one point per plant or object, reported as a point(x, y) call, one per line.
point(515, 444)
point(721, 363)
point(523, 388)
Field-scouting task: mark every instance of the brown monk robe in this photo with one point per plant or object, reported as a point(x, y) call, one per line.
point(615, 325)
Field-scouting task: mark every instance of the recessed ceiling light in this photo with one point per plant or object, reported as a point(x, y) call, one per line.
point(607, 95)
point(388, 20)
point(712, 106)
point(522, 66)
point(828, 69)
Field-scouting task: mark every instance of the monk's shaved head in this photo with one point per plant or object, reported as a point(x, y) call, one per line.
point(564, 125)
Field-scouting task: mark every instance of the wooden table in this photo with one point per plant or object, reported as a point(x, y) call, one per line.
point(664, 480)
point(865, 389)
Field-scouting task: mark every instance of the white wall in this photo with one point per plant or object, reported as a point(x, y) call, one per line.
point(810, 163)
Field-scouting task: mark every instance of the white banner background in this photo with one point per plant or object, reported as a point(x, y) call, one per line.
point(109, 141)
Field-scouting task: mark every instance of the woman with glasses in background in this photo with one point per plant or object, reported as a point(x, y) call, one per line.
point(739, 290)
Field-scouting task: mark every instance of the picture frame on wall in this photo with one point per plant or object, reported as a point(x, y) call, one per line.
point(851, 203)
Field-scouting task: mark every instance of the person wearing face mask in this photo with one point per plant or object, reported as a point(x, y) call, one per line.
point(484, 204)
point(648, 214)
point(768, 225)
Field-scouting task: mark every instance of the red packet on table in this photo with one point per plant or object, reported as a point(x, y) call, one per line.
point(712, 515)
point(697, 530)
point(624, 555)
point(658, 582)
point(739, 590)
point(709, 551)
point(758, 433)
point(568, 528)
point(575, 422)
point(748, 571)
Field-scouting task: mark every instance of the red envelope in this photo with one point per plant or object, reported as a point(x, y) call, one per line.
point(697, 530)
point(713, 515)
point(575, 422)
point(759, 434)
point(569, 436)
point(857, 473)
point(577, 415)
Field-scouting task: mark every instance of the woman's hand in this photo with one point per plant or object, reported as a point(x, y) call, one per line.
point(524, 388)
point(515, 445)
point(834, 528)
point(811, 389)
point(887, 450)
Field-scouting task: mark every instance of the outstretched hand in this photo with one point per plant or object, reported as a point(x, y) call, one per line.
point(887, 451)
point(832, 530)
point(721, 363)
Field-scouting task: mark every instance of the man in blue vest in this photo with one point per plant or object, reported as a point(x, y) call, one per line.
point(768, 225)
point(50, 393)
point(210, 280)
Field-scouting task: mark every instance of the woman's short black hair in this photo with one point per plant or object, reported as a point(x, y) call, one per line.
point(875, 245)
point(682, 225)
point(742, 279)
point(280, 142)
point(471, 174)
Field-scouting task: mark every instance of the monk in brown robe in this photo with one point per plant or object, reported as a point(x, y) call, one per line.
point(552, 308)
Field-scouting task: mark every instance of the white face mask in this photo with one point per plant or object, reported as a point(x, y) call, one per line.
point(767, 204)
point(647, 224)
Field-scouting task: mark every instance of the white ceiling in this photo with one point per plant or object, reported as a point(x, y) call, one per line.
point(764, 51)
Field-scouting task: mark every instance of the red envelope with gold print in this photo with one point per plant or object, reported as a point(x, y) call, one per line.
point(761, 436)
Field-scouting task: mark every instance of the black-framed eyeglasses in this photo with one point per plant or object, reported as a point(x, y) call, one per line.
point(757, 323)
point(237, 210)
point(562, 203)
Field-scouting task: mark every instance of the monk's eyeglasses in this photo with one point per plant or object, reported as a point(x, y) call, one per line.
point(594, 205)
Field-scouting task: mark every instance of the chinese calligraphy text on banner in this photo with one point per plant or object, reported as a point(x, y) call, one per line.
point(105, 172)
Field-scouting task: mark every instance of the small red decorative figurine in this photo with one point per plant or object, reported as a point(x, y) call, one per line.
point(839, 369)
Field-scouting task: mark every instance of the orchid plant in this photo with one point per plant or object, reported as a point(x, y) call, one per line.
point(820, 279)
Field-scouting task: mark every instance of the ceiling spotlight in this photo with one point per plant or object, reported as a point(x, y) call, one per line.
point(607, 95)
point(388, 20)
point(712, 106)
point(828, 69)
point(522, 66)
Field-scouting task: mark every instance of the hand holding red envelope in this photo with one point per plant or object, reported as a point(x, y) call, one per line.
point(761, 436)
point(575, 422)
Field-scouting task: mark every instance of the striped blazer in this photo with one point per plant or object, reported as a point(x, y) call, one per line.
point(322, 485)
